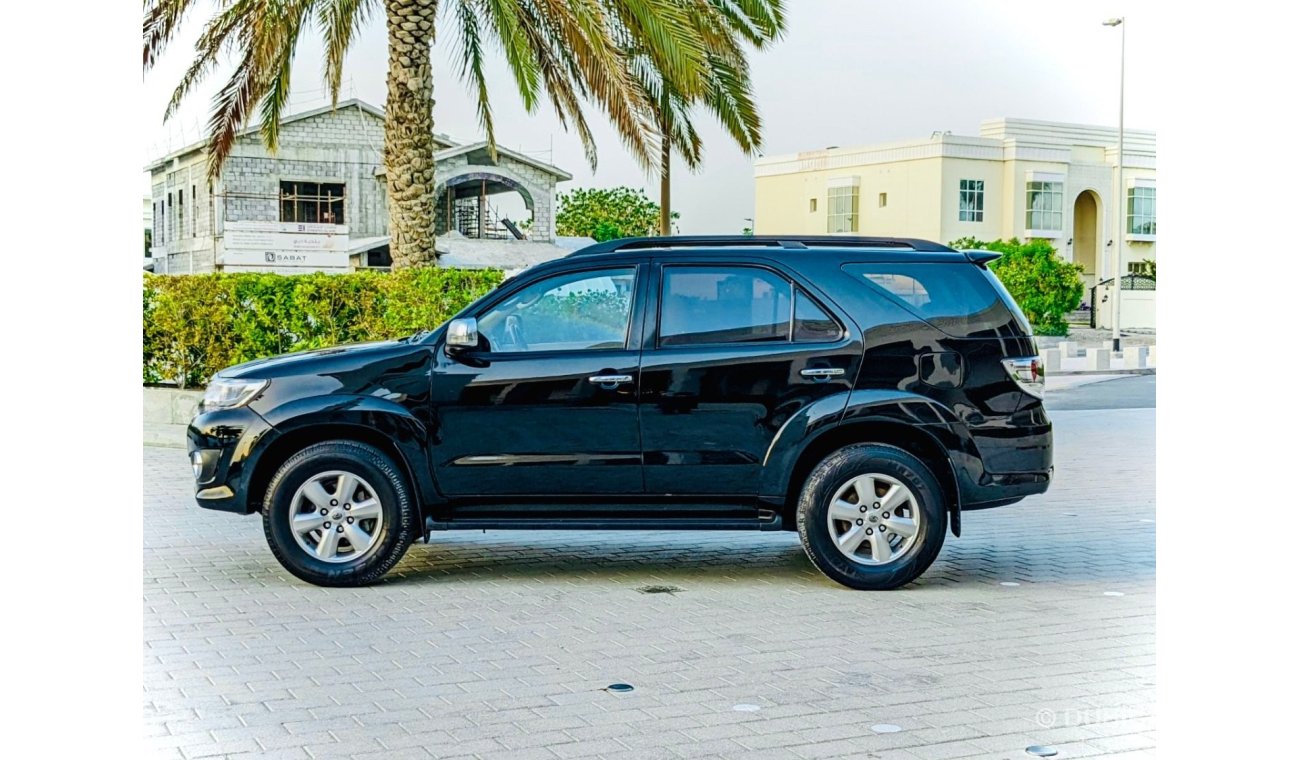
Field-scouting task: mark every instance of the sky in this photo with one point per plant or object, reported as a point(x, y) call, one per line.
point(847, 72)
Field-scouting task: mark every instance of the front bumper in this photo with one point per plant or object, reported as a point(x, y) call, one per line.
point(220, 447)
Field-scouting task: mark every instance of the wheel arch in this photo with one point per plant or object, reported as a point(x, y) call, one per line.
point(278, 450)
point(910, 438)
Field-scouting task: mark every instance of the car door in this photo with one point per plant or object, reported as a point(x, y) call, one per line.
point(547, 407)
point(735, 351)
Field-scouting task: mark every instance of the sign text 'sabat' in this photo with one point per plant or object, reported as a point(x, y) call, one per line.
point(265, 258)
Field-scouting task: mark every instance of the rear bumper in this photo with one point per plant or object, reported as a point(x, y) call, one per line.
point(1007, 488)
point(1009, 459)
point(219, 445)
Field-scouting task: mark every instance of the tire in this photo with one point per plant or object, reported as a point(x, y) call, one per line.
point(343, 558)
point(879, 467)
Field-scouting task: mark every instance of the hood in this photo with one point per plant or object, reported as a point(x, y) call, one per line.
point(305, 361)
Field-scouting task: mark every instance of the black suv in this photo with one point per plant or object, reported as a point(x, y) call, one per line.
point(863, 391)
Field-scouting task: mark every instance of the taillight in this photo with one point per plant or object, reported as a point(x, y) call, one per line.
point(1028, 374)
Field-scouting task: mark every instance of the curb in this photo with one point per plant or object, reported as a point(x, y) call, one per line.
point(1146, 371)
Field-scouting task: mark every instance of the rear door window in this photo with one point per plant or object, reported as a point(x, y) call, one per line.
point(710, 305)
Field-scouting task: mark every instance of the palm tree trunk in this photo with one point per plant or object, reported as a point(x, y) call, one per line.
point(665, 185)
point(408, 131)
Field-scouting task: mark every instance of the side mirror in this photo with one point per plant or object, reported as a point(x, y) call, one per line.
point(462, 334)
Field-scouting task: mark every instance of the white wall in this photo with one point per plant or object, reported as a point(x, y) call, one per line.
point(1137, 309)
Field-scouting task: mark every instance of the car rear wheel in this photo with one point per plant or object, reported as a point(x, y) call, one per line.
point(872, 517)
point(339, 513)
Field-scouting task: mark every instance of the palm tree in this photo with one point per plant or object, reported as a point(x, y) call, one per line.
point(727, 93)
point(563, 49)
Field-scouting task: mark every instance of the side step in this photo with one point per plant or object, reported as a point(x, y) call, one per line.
point(766, 521)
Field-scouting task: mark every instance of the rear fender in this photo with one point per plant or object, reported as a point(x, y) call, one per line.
point(875, 415)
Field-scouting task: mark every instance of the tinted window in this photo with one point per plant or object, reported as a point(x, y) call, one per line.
point(568, 312)
point(811, 323)
point(959, 299)
point(709, 305)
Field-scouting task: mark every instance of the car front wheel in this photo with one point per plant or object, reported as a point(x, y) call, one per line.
point(339, 513)
point(872, 517)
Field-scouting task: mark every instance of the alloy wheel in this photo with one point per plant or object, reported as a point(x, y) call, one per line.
point(336, 517)
point(874, 519)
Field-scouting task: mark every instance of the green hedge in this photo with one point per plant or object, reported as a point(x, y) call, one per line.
point(195, 325)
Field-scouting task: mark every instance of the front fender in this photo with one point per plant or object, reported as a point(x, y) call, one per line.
point(370, 415)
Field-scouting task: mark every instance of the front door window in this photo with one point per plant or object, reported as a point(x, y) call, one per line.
point(578, 311)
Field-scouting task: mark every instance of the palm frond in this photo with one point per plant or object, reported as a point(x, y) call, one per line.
point(507, 19)
point(212, 43)
point(161, 20)
point(339, 22)
point(279, 66)
point(471, 67)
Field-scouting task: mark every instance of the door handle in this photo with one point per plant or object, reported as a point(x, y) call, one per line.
point(609, 380)
point(822, 373)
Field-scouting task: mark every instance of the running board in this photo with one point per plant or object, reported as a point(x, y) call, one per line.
point(766, 521)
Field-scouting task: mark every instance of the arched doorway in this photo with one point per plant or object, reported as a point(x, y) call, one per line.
point(1087, 220)
point(471, 204)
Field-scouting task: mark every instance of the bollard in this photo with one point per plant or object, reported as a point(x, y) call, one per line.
point(1051, 360)
point(1098, 359)
point(1151, 356)
point(1135, 357)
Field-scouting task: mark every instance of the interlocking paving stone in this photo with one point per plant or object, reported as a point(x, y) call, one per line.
point(501, 644)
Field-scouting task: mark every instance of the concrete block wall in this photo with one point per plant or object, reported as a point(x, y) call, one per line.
point(167, 415)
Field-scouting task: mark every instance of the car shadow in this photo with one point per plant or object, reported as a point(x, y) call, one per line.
point(759, 558)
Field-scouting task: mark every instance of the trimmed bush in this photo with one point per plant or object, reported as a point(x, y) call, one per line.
point(196, 325)
point(1046, 286)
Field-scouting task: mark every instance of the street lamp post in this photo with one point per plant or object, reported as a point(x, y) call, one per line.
point(1119, 197)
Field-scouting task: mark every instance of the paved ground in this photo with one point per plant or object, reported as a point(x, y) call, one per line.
point(501, 644)
point(1114, 392)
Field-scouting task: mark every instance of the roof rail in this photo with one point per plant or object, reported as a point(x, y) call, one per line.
point(767, 241)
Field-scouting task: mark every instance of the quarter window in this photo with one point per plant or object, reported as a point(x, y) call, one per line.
point(970, 207)
point(578, 311)
point(1141, 211)
point(811, 323)
point(1044, 202)
point(842, 209)
point(311, 202)
point(712, 305)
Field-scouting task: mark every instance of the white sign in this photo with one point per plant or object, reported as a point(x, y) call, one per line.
point(302, 228)
point(284, 241)
point(264, 258)
point(285, 270)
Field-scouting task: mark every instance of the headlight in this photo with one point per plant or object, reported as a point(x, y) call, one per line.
point(228, 393)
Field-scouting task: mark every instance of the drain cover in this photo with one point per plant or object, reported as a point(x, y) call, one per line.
point(1041, 750)
point(746, 708)
point(886, 728)
point(620, 687)
point(660, 589)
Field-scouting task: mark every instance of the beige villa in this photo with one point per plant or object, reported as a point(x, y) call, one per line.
point(1018, 178)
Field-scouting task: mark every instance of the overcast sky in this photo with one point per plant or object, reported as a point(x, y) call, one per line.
point(847, 72)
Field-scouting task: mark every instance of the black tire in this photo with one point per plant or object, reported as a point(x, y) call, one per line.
point(396, 532)
point(836, 470)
